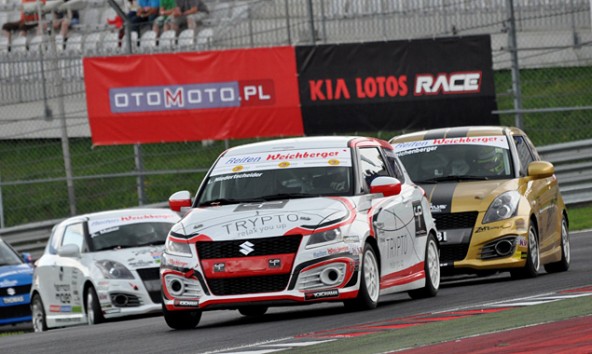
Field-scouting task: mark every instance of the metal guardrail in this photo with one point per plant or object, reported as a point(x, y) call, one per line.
point(573, 167)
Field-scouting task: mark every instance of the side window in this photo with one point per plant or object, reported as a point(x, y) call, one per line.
point(372, 165)
point(74, 234)
point(55, 238)
point(397, 168)
point(524, 154)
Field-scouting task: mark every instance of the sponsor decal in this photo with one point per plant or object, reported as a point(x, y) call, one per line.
point(266, 205)
point(260, 224)
point(368, 87)
point(192, 96)
point(438, 208)
point(95, 226)
point(351, 239)
point(397, 246)
point(6, 283)
point(112, 310)
point(219, 267)
point(63, 293)
point(442, 236)
point(420, 226)
point(448, 83)
point(343, 249)
point(522, 241)
point(274, 263)
point(13, 299)
point(415, 147)
point(140, 263)
point(177, 263)
point(319, 254)
point(290, 159)
point(186, 303)
point(490, 228)
point(321, 294)
point(242, 175)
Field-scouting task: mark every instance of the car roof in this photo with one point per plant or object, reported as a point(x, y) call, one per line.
point(318, 142)
point(457, 132)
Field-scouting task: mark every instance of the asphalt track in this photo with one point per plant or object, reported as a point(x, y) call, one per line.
point(464, 308)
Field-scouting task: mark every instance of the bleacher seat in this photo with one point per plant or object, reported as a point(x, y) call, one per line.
point(205, 38)
point(186, 40)
point(91, 43)
point(167, 40)
point(36, 42)
point(240, 11)
point(110, 43)
point(73, 44)
point(19, 44)
point(148, 41)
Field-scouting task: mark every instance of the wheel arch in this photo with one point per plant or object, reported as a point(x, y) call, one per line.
point(372, 242)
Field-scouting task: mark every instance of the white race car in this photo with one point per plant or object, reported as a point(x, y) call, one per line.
point(299, 221)
point(100, 266)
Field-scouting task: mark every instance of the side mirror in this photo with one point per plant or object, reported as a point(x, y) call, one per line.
point(180, 200)
point(388, 186)
point(540, 169)
point(69, 250)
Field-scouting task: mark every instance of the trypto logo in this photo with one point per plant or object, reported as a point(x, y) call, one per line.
point(192, 97)
point(246, 248)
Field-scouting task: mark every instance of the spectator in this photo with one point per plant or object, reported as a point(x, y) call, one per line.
point(28, 21)
point(162, 22)
point(64, 20)
point(188, 14)
point(142, 14)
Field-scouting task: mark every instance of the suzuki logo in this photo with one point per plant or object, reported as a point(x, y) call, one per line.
point(246, 248)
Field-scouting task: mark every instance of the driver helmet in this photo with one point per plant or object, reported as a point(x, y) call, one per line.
point(491, 160)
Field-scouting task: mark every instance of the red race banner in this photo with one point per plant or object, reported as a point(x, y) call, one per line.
point(194, 96)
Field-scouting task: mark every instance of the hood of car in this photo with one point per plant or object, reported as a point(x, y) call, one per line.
point(133, 258)
point(456, 197)
point(15, 275)
point(265, 219)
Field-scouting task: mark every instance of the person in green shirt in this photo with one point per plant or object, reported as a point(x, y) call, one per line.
point(162, 22)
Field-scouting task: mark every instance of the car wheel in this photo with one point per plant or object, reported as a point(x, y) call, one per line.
point(370, 283)
point(94, 314)
point(38, 314)
point(253, 311)
point(533, 260)
point(563, 264)
point(181, 319)
point(431, 269)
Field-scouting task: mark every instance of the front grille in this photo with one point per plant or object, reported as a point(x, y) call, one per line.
point(150, 276)
point(15, 311)
point(21, 289)
point(447, 221)
point(261, 247)
point(249, 285)
point(450, 253)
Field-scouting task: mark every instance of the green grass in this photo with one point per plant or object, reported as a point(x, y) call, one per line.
point(42, 159)
point(579, 217)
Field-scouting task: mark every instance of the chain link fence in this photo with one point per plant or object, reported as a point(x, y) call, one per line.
point(49, 168)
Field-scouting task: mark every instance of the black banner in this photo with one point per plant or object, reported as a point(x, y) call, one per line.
point(396, 85)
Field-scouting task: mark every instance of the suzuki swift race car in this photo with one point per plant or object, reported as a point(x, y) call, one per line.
point(15, 284)
point(497, 206)
point(100, 266)
point(299, 221)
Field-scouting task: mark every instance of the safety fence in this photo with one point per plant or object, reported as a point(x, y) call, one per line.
point(49, 168)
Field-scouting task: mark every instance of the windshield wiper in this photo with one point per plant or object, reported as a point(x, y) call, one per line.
point(226, 201)
point(454, 178)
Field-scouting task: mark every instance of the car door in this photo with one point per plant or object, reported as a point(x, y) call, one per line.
point(69, 272)
point(390, 218)
point(45, 275)
point(542, 193)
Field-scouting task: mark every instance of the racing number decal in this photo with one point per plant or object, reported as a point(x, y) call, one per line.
point(420, 225)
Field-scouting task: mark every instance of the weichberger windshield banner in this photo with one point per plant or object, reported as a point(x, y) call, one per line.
point(411, 85)
point(290, 91)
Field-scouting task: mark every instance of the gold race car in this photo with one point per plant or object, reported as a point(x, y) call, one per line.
point(497, 206)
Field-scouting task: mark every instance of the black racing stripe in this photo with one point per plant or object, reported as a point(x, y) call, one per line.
point(442, 196)
point(459, 132)
point(436, 134)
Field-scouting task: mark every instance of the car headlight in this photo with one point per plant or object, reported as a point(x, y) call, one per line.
point(332, 235)
point(114, 270)
point(177, 248)
point(502, 207)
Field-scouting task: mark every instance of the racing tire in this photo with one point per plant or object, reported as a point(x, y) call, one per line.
point(38, 314)
point(431, 269)
point(94, 313)
point(253, 311)
point(533, 260)
point(181, 319)
point(369, 292)
point(563, 264)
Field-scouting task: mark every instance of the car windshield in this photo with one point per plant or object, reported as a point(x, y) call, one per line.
point(266, 176)
point(456, 159)
point(8, 256)
point(131, 235)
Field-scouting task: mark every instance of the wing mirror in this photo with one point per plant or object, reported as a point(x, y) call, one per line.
point(69, 250)
point(540, 169)
point(388, 186)
point(180, 201)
